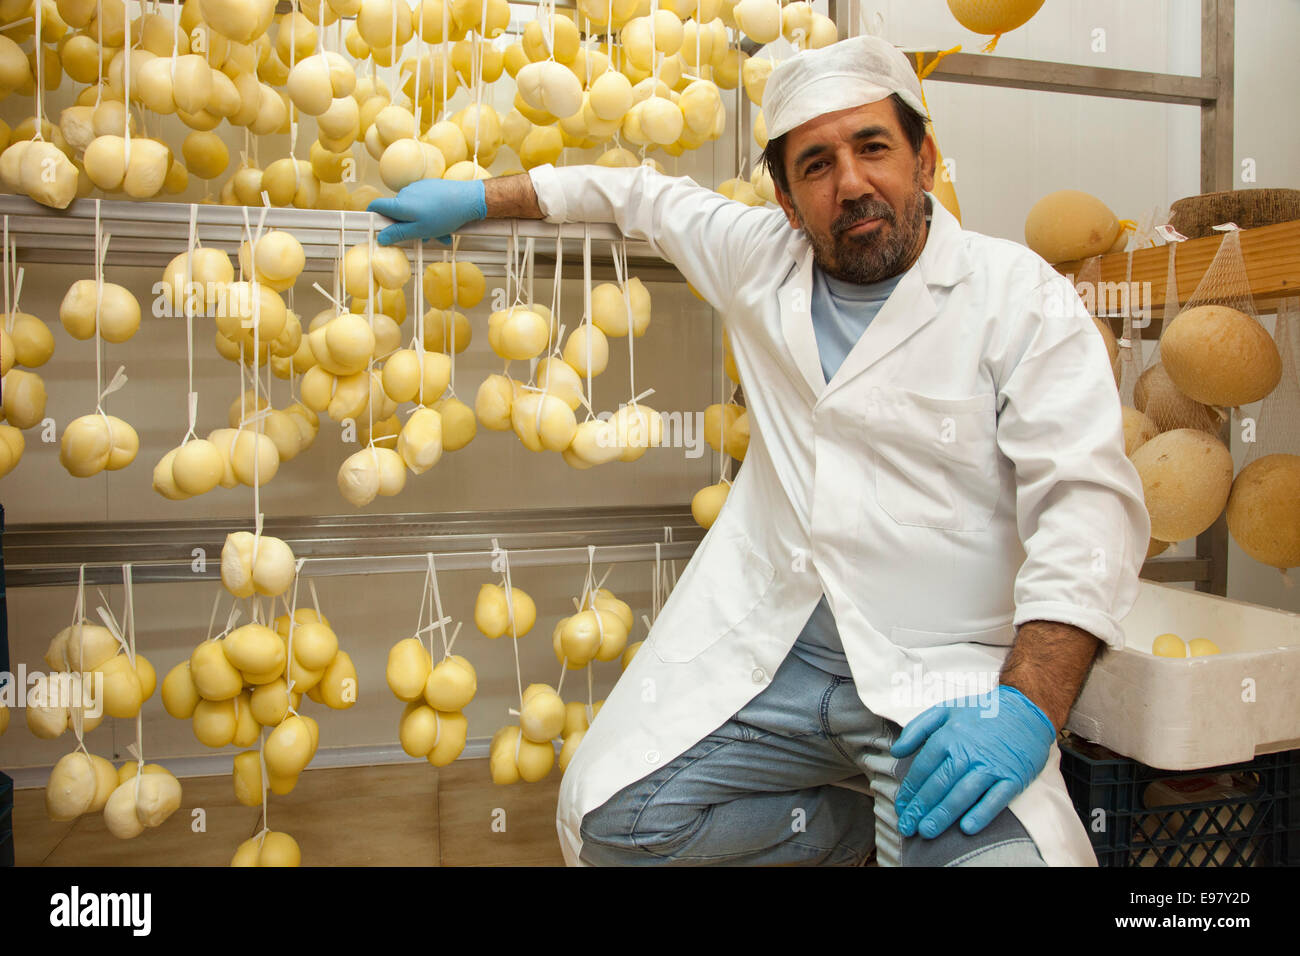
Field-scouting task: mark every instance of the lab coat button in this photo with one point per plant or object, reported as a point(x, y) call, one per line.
point(758, 675)
point(652, 756)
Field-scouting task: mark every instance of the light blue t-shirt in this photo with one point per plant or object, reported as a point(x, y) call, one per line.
point(841, 312)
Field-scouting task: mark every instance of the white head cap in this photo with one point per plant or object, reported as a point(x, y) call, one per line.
point(852, 72)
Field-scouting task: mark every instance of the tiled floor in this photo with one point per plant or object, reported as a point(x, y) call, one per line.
point(393, 815)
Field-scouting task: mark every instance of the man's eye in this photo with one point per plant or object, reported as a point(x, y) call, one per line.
point(875, 147)
point(813, 167)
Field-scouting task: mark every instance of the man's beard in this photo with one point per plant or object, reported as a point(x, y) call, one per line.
point(878, 253)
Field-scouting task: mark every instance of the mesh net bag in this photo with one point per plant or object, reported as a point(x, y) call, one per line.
point(1215, 354)
point(1264, 504)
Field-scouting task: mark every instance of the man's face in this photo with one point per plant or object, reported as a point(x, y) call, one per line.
point(857, 190)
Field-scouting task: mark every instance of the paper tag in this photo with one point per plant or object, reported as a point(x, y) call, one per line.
point(1170, 234)
point(1227, 227)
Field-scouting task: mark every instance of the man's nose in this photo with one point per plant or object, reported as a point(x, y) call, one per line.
point(853, 182)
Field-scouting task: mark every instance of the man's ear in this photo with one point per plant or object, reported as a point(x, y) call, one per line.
point(929, 160)
point(787, 205)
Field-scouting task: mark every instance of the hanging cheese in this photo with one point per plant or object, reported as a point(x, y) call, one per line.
point(1220, 356)
point(1186, 478)
point(1263, 510)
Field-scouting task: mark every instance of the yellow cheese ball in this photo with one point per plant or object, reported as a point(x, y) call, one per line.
point(492, 612)
point(418, 729)
point(582, 340)
point(46, 723)
point(32, 340)
point(122, 691)
point(147, 676)
point(279, 849)
point(1138, 429)
point(314, 644)
point(269, 702)
point(254, 648)
point(248, 778)
point(492, 402)
point(452, 731)
point(88, 646)
point(1264, 510)
point(1201, 647)
point(708, 502)
point(466, 291)
point(338, 684)
point(580, 636)
point(1186, 479)
point(408, 670)
point(1168, 645)
point(247, 729)
point(106, 781)
point(289, 747)
point(197, 467)
point(541, 718)
point(215, 678)
point(1157, 397)
point(1070, 224)
point(71, 787)
point(571, 743)
point(501, 756)
point(215, 722)
point(119, 812)
point(179, 695)
point(535, 760)
point(159, 796)
point(451, 685)
point(129, 769)
point(1219, 356)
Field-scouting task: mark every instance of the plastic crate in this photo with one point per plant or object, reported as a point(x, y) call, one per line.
point(1244, 814)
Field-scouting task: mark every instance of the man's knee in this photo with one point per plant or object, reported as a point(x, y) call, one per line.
point(633, 828)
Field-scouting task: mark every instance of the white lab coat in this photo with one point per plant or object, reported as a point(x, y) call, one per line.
point(963, 472)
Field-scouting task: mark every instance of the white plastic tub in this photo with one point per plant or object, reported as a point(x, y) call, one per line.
point(1196, 712)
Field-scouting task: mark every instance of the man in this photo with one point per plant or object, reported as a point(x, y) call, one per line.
point(934, 529)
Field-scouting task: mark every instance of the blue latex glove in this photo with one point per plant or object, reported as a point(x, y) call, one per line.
point(989, 746)
point(431, 208)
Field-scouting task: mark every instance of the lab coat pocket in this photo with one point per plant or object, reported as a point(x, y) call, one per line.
point(935, 458)
point(719, 605)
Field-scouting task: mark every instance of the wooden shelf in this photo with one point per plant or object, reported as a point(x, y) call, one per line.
point(1272, 255)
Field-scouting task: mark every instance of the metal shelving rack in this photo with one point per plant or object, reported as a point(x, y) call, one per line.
point(151, 233)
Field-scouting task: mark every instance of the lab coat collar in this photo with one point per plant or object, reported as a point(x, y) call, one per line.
point(943, 263)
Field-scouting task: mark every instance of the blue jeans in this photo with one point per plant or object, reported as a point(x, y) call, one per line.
point(759, 791)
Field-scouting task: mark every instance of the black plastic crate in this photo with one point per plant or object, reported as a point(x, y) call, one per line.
point(1245, 814)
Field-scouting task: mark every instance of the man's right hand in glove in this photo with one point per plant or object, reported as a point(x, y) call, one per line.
point(435, 208)
point(431, 209)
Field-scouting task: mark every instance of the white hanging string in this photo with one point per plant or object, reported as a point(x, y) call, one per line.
point(586, 310)
point(449, 321)
point(192, 397)
point(370, 317)
point(39, 57)
point(432, 596)
point(446, 57)
point(9, 259)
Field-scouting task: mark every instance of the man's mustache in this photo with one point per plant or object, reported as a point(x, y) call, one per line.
point(869, 210)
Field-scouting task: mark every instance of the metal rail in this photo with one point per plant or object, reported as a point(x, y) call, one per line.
point(152, 233)
point(50, 555)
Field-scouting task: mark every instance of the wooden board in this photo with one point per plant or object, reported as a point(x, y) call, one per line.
point(1272, 255)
